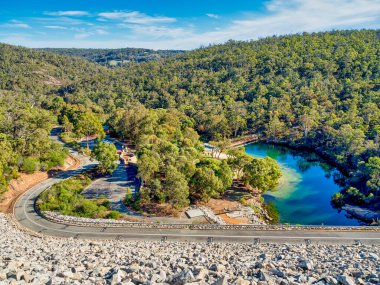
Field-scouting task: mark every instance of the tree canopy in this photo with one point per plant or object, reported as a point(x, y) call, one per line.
point(319, 91)
point(106, 154)
point(262, 173)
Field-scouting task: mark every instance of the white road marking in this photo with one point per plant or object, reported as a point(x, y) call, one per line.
point(26, 199)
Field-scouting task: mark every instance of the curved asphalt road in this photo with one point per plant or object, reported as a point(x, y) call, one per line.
point(26, 215)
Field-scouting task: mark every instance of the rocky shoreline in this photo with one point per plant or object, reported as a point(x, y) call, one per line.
point(47, 260)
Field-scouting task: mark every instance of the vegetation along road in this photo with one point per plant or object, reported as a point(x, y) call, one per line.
point(27, 216)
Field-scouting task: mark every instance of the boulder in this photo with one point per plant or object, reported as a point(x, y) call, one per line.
point(217, 267)
point(305, 264)
point(278, 273)
point(374, 256)
point(331, 280)
point(221, 281)
point(201, 274)
point(241, 281)
point(345, 280)
point(186, 276)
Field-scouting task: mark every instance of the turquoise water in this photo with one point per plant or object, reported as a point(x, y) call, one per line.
point(304, 193)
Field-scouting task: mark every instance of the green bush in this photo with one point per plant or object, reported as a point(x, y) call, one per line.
point(88, 208)
point(136, 205)
point(53, 158)
point(66, 138)
point(113, 215)
point(30, 165)
point(338, 200)
point(243, 200)
point(128, 196)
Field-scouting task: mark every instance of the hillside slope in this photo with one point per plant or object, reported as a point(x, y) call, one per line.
point(320, 91)
point(29, 83)
point(115, 57)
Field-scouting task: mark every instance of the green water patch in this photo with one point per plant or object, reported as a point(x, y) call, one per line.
point(303, 195)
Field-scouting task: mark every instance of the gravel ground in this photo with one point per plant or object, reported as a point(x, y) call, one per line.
point(47, 260)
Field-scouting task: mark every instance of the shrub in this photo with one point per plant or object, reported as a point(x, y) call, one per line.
point(136, 205)
point(128, 196)
point(338, 200)
point(30, 165)
point(55, 157)
point(243, 201)
point(355, 195)
point(113, 215)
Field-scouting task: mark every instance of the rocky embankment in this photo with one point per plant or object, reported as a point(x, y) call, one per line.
point(46, 260)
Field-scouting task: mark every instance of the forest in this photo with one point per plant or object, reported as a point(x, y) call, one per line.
point(317, 91)
point(115, 57)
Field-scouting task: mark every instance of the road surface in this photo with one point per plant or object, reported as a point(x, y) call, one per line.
point(114, 186)
point(26, 215)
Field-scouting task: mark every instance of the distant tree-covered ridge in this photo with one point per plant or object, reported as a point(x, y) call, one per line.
point(114, 57)
point(320, 91)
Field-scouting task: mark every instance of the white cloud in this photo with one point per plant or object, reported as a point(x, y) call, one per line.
point(59, 21)
point(67, 13)
point(308, 15)
point(135, 17)
point(102, 32)
point(211, 15)
point(82, 36)
point(280, 17)
point(155, 32)
point(292, 16)
point(56, 27)
point(18, 25)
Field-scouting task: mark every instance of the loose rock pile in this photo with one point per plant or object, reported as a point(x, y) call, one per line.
point(48, 260)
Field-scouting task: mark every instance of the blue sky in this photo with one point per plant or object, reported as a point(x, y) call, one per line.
point(169, 24)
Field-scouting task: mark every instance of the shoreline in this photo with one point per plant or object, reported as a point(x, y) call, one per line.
point(362, 214)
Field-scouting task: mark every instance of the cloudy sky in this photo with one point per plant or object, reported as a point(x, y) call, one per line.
point(173, 24)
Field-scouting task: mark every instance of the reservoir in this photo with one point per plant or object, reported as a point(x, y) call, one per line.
point(304, 193)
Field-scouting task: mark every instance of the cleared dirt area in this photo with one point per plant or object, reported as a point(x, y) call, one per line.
point(26, 181)
point(222, 206)
point(233, 199)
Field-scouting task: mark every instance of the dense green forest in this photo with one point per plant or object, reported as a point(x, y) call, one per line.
point(25, 145)
point(318, 91)
point(29, 108)
point(115, 57)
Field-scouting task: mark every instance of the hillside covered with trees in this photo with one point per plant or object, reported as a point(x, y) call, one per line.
point(316, 91)
point(29, 107)
point(115, 57)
